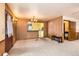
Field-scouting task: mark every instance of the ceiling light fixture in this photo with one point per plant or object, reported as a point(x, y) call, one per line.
point(34, 19)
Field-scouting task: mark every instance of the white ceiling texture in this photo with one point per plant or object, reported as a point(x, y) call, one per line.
point(45, 11)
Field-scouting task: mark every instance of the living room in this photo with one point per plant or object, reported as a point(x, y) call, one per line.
point(39, 26)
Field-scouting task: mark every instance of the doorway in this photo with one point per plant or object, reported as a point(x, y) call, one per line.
point(69, 30)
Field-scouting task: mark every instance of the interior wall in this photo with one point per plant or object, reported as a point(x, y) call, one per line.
point(2, 28)
point(73, 19)
point(77, 24)
point(55, 27)
point(66, 26)
point(77, 29)
point(22, 32)
point(14, 32)
point(46, 29)
point(2, 47)
point(2, 21)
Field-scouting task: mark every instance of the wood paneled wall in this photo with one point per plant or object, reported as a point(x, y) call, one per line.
point(70, 30)
point(46, 29)
point(77, 34)
point(2, 47)
point(55, 27)
point(22, 32)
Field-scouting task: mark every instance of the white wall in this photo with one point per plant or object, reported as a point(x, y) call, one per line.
point(2, 21)
point(77, 26)
point(73, 19)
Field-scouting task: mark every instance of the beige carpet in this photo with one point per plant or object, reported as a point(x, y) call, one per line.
point(44, 47)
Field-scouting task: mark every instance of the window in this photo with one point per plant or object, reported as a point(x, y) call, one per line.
point(9, 26)
point(35, 26)
point(29, 27)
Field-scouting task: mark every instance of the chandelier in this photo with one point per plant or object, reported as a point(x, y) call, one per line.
point(34, 19)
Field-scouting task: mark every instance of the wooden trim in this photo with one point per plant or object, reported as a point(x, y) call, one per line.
point(66, 20)
point(2, 47)
point(2, 41)
point(7, 8)
point(6, 25)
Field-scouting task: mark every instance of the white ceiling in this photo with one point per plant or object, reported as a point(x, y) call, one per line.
point(45, 11)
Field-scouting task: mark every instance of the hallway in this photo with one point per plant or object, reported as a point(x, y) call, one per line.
point(44, 48)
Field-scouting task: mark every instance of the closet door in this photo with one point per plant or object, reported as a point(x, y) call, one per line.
point(72, 30)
